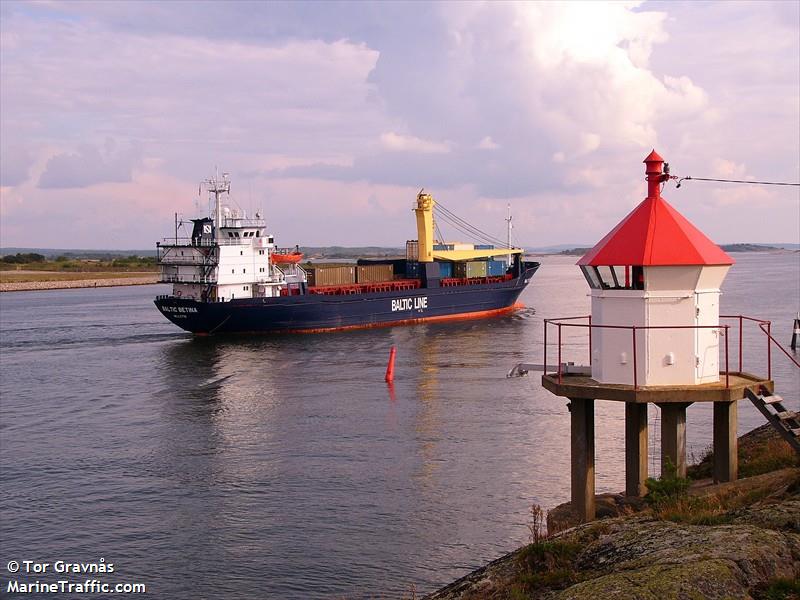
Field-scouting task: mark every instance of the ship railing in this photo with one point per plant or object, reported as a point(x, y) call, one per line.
point(192, 261)
point(185, 279)
point(234, 222)
point(280, 275)
point(723, 329)
point(187, 242)
point(294, 273)
point(170, 258)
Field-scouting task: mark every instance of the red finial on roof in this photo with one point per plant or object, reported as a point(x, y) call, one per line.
point(654, 233)
point(654, 176)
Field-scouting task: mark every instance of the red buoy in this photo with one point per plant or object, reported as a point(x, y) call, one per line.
point(390, 366)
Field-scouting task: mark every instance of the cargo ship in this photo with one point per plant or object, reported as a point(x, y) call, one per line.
point(229, 276)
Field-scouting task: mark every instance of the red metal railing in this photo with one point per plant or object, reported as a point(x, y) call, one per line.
point(764, 325)
point(766, 328)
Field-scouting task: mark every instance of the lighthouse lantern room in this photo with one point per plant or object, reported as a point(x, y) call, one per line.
point(655, 285)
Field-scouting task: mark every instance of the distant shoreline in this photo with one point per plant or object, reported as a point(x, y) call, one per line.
point(32, 286)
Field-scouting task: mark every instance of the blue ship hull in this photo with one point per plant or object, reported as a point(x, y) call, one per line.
point(312, 313)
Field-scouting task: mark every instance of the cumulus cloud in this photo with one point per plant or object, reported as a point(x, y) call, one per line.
point(549, 105)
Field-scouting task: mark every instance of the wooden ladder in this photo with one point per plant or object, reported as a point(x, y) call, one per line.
point(786, 422)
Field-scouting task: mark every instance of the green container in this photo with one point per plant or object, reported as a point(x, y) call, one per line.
point(470, 269)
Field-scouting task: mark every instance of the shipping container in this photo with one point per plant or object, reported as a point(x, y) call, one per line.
point(495, 268)
point(374, 273)
point(321, 276)
point(398, 264)
point(412, 269)
point(443, 247)
point(412, 250)
point(484, 247)
point(445, 269)
point(473, 268)
point(463, 246)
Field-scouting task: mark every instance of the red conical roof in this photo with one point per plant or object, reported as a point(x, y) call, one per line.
point(655, 234)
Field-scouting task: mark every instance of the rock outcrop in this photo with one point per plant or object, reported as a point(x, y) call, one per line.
point(643, 557)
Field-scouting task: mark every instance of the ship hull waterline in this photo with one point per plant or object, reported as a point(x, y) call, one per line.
point(317, 313)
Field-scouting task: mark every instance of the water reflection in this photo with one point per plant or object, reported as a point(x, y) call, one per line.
point(281, 466)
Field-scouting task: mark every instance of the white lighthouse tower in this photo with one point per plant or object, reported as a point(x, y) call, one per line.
point(655, 285)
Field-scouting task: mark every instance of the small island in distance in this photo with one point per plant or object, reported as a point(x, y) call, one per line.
point(725, 247)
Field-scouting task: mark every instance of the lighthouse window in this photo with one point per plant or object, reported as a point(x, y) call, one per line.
point(606, 277)
point(592, 278)
point(637, 278)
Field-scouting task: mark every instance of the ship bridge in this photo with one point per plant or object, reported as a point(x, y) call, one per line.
point(225, 262)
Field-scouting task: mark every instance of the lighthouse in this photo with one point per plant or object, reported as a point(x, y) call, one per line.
point(657, 272)
point(655, 337)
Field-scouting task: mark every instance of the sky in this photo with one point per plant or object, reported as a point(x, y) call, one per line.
point(330, 117)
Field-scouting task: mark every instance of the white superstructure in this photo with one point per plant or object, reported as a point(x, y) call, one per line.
point(227, 257)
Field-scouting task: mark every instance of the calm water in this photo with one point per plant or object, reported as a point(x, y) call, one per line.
point(281, 467)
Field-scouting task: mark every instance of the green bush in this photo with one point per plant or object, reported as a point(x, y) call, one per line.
point(667, 488)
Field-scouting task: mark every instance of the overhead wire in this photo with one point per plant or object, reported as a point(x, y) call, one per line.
point(471, 231)
point(466, 227)
point(690, 178)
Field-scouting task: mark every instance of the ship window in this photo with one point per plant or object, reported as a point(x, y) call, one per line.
point(236, 233)
point(244, 270)
point(258, 234)
point(241, 252)
point(230, 234)
point(232, 271)
point(270, 240)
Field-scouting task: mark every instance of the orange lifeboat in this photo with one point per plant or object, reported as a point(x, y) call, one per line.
point(286, 256)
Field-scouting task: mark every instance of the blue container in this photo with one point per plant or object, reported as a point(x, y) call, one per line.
point(445, 269)
point(484, 247)
point(495, 268)
point(412, 269)
point(443, 246)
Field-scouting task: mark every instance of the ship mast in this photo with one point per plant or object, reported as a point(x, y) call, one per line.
point(508, 222)
point(218, 187)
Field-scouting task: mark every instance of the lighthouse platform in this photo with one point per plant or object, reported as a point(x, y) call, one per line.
point(730, 387)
